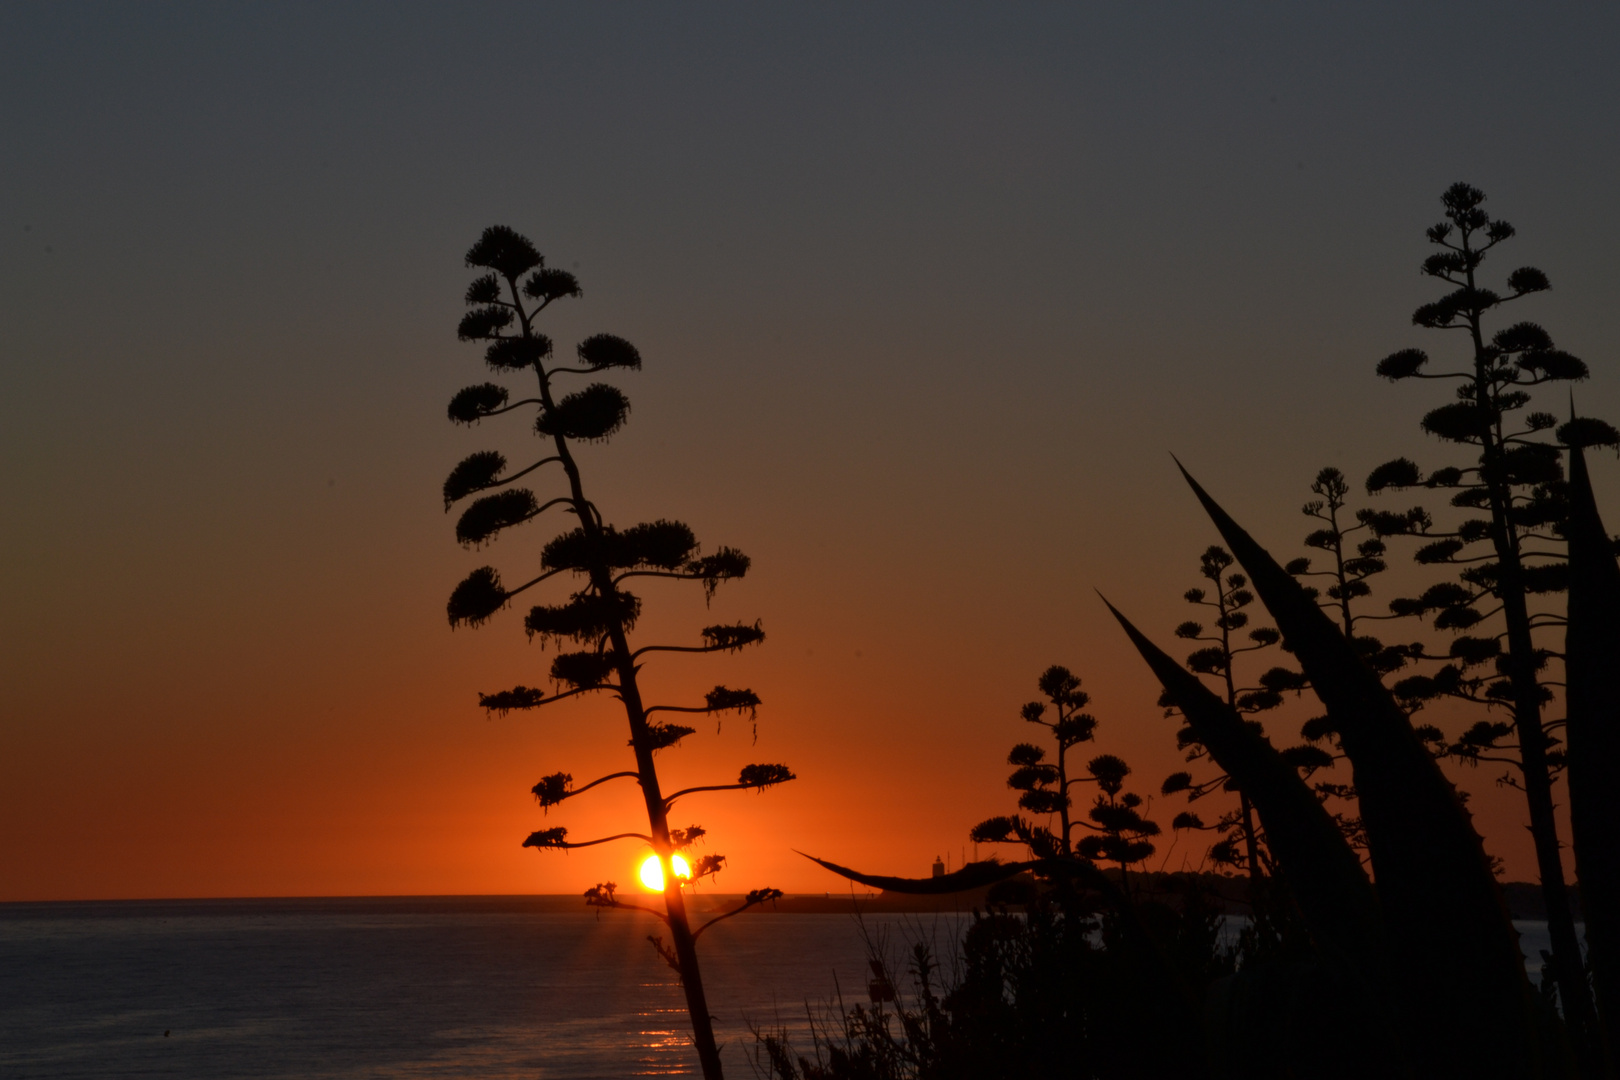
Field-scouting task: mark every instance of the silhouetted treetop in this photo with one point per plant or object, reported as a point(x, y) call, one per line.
point(504, 250)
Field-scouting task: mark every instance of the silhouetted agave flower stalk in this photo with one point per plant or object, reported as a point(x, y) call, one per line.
point(1505, 558)
point(1117, 829)
point(1458, 955)
point(595, 619)
point(1223, 642)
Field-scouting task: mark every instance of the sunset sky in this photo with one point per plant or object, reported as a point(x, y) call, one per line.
point(927, 295)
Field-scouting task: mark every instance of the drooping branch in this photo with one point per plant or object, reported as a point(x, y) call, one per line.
point(482, 471)
point(754, 898)
point(602, 896)
point(489, 515)
point(554, 789)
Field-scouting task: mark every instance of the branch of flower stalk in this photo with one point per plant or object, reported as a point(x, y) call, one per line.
point(755, 897)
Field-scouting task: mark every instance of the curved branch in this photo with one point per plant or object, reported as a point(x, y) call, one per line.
point(617, 903)
point(656, 573)
point(600, 780)
point(758, 896)
point(509, 408)
point(670, 800)
point(534, 581)
point(566, 844)
point(542, 701)
point(523, 472)
point(679, 648)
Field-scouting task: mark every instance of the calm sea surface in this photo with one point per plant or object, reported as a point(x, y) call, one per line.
point(440, 987)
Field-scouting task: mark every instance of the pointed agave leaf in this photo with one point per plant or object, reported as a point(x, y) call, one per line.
point(1592, 734)
point(1323, 873)
point(1445, 917)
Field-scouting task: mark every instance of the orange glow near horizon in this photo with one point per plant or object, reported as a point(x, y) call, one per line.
point(652, 872)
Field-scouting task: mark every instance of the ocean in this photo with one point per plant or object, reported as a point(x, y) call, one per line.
point(489, 987)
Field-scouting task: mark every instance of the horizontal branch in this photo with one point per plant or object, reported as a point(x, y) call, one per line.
point(617, 903)
point(678, 648)
point(504, 701)
point(553, 838)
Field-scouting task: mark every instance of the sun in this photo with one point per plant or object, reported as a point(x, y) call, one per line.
point(652, 872)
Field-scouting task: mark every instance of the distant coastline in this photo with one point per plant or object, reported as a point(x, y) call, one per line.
point(1523, 899)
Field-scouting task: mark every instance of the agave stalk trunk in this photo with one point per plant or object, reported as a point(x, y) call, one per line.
point(1573, 992)
point(680, 926)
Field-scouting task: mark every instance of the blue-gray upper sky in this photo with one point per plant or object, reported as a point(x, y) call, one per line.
point(926, 293)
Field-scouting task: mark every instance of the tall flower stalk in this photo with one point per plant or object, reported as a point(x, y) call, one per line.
point(597, 618)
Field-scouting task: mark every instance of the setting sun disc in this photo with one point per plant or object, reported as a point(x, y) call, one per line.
point(652, 872)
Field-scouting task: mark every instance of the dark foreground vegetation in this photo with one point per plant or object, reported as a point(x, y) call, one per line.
point(1380, 942)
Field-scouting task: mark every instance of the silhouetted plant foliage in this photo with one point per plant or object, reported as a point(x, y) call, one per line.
point(476, 598)
point(489, 515)
point(1412, 971)
point(476, 402)
point(1116, 829)
point(599, 613)
point(1508, 554)
point(1228, 636)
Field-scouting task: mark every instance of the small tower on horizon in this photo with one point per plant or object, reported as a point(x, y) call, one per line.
point(939, 866)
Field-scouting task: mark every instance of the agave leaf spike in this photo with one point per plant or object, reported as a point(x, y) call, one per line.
point(1323, 872)
point(1447, 922)
point(1592, 736)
